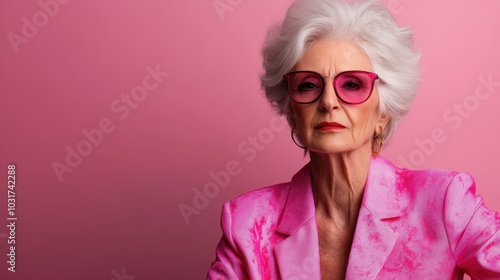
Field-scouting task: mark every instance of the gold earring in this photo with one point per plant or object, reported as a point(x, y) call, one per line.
point(377, 143)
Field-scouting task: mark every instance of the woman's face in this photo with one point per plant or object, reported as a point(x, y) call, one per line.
point(330, 125)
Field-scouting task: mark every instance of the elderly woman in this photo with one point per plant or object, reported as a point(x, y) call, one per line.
point(344, 75)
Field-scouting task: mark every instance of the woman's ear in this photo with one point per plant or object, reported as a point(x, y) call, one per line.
point(382, 122)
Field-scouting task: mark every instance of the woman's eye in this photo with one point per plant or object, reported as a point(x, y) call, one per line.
point(306, 86)
point(352, 85)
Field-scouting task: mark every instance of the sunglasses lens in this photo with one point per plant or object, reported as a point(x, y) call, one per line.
point(304, 87)
point(354, 87)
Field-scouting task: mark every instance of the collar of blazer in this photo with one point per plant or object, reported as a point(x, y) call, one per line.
point(298, 253)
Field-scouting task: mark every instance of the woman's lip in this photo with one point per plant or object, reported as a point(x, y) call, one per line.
point(329, 126)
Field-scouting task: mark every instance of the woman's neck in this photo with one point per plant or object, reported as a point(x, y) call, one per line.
point(338, 182)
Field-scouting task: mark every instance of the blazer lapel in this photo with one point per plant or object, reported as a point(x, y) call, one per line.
point(297, 256)
point(374, 239)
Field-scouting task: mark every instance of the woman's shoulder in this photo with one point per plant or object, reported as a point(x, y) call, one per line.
point(267, 198)
point(434, 176)
point(271, 200)
point(433, 180)
point(255, 213)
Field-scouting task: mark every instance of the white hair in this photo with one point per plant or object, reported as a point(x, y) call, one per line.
point(370, 25)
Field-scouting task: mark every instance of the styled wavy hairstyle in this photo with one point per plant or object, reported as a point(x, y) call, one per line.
point(370, 25)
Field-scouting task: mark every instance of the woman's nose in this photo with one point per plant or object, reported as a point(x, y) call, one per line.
point(329, 100)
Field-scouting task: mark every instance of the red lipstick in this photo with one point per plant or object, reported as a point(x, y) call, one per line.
point(329, 126)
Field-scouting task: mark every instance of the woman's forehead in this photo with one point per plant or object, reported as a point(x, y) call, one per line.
point(329, 57)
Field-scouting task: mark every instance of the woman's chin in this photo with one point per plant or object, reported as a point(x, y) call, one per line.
point(337, 148)
point(329, 149)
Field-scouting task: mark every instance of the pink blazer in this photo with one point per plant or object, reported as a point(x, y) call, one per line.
point(425, 224)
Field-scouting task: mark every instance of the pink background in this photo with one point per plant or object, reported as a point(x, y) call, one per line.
point(117, 213)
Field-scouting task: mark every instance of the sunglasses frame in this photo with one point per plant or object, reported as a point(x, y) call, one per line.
point(372, 76)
